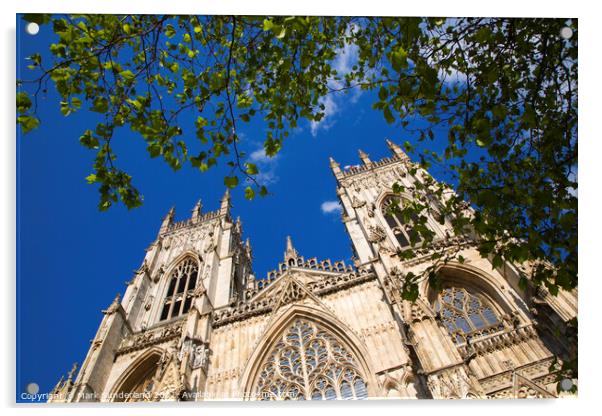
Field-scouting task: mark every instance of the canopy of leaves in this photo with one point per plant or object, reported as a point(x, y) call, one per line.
point(505, 89)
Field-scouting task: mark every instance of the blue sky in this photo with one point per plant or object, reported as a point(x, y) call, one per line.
point(73, 259)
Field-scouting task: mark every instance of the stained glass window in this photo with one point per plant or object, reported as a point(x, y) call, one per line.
point(309, 363)
point(466, 315)
point(180, 290)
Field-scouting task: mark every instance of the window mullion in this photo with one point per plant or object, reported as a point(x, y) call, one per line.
point(174, 298)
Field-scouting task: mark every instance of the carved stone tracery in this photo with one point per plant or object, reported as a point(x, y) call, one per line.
point(309, 363)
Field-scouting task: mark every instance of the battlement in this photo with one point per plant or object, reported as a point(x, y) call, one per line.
point(169, 225)
point(356, 169)
point(189, 222)
point(367, 164)
point(300, 263)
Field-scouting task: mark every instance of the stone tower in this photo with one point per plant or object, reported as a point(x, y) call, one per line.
point(195, 323)
point(463, 365)
point(192, 268)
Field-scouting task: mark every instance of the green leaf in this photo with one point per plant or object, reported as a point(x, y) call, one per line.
point(37, 18)
point(281, 33)
point(251, 168)
point(88, 140)
point(388, 115)
point(231, 181)
point(100, 105)
point(497, 261)
point(23, 102)
point(91, 178)
point(170, 31)
point(154, 149)
point(76, 102)
point(28, 123)
point(399, 59)
point(127, 75)
point(249, 193)
point(267, 25)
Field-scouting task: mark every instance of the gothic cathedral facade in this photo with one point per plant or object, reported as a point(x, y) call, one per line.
point(196, 324)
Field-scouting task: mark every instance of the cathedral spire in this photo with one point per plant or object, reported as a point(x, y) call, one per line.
point(226, 204)
point(336, 168)
point(72, 372)
point(365, 158)
point(290, 252)
point(396, 150)
point(167, 220)
point(196, 211)
point(248, 248)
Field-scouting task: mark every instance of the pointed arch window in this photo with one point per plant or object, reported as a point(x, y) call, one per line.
point(466, 315)
point(309, 363)
point(403, 230)
point(180, 291)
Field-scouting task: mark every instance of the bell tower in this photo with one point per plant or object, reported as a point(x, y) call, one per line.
point(365, 191)
point(443, 354)
point(194, 266)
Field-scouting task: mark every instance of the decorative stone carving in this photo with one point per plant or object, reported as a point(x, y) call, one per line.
point(149, 303)
point(371, 209)
point(150, 337)
point(453, 383)
point(292, 293)
point(356, 203)
point(498, 341)
point(376, 233)
point(197, 352)
point(210, 245)
point(114, 306)
point(199, 291)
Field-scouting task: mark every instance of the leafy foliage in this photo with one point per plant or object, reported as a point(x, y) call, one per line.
point(503, 89)
point(142, 72)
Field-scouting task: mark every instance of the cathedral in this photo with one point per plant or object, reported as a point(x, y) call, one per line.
point(195, 323)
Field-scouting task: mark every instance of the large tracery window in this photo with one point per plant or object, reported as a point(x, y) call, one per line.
point(309, 363)
point(466, 315)
point(403, 230)
point(182, 283)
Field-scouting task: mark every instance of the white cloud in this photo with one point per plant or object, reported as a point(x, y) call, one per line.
point(259, 156)
point(347, 167)
point(346, 58)
point(330, 109)
point(330, 207)
point(266, 166)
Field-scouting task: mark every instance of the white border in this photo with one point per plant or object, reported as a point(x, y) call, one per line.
point(589, 171)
